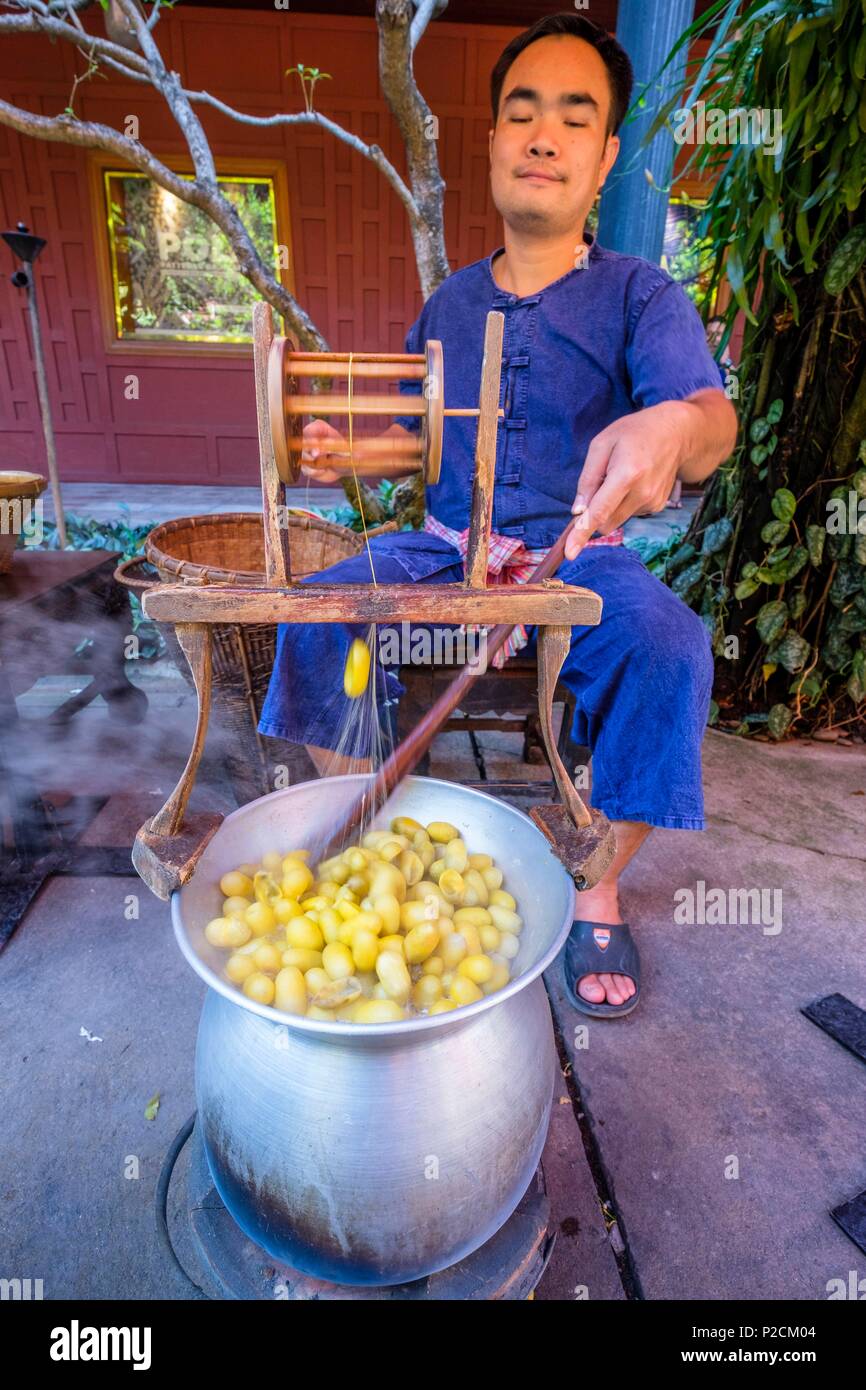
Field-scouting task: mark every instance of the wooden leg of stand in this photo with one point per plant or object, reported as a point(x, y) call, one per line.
point(581, 838)
point(169, 845)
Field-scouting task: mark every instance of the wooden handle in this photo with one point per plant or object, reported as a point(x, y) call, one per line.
point(554, 644)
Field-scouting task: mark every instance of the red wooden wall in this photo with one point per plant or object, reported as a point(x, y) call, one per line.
point(352, 256)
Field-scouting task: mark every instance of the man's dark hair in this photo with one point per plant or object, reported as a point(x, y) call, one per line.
point(614, 56)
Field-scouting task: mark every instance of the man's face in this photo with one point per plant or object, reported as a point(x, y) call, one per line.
point(550, 152)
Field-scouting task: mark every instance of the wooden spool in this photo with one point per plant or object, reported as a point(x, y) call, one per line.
point(291, 403)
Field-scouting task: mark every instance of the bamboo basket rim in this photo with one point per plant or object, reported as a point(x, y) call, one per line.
point(191, 570)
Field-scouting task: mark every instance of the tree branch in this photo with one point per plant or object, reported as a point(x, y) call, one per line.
point(37, 23)
point(372, 152)
point(95, 136)
point(417, 126)
point(424, 12)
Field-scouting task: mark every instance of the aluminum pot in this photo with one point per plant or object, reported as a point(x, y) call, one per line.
point(376, 1153)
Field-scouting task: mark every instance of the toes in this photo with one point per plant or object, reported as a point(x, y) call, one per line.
point(626, 985)
point(590, 989)
point(612, 990)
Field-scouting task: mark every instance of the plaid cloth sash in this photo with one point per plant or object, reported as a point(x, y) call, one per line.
point(509, 562)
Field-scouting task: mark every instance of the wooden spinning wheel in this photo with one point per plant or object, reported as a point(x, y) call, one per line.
point(289, 403)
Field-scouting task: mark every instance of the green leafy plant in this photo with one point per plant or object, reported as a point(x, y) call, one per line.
point(783, 592)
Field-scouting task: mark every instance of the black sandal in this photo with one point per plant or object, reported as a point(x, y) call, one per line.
point(594, 948)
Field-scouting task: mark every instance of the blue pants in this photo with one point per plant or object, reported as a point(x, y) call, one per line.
point(642, 679)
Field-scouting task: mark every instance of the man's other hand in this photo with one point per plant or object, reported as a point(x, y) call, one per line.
point(316, 436)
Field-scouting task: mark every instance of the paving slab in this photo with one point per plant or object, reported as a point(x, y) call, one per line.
point(727, 1124)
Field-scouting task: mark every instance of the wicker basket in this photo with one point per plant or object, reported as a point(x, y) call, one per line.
point(229, 549)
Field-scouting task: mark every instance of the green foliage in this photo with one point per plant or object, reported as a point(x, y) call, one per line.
point(786, 223)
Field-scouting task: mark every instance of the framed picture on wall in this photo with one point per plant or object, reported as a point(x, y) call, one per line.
point(172, 276)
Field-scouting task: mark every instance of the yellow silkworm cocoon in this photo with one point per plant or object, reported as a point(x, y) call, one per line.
point(394, 976)
point(490, 937)
point(499, 898)
point(411, 866)
point(412, 914)
point(421, 942)
point(337, 960)
point(441, 831)
point(290, 991)
point(505, 919)
point(443, 1006)
point(235, 907)
point(386, 906)
point(478, 916)
point(478, 968)
point(356, 672)
point(259, 987)
point(405, 825)
point(236, 885)
point(305, 960)
point(492, 877)
point(480, 861)
point(303, 931)
point(464, 991)
point(267, 957)
point(365, 948)
point(451, 885)
point(239, 968)
point(509, 945)
point(378, 1011)
point(452, 950)
point(284, 909)
point(475, 893)
point(426, 991)
point(433, 965)
point(227, 932)
point(472, 937)
point(456, 855)
point(393, 943)
point(316, 978)
point(500, 977)
point(297, 879)
point(260, 919)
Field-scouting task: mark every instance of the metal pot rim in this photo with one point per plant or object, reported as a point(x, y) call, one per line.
point(412, 1027)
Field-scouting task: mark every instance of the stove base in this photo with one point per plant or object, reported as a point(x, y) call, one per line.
point(508, 1266)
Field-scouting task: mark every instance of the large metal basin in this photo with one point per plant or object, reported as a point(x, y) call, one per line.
point(377, 1153)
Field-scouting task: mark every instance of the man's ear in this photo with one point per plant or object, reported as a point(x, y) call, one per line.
point(608, 159)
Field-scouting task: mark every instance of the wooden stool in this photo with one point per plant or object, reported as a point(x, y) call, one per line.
point(504, 701)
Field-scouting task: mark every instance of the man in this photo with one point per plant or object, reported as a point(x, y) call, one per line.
point(610, 395)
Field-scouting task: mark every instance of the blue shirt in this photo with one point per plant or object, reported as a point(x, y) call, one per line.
point(596, 344)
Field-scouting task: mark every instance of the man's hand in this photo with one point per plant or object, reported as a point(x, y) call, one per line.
point(632, 465)
point(316, 435)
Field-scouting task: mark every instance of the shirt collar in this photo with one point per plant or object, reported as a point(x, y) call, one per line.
point(594, 251)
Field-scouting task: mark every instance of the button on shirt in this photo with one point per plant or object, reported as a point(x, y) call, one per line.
point(608, 338)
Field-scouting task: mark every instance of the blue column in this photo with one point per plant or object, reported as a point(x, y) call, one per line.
point(632, 213)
